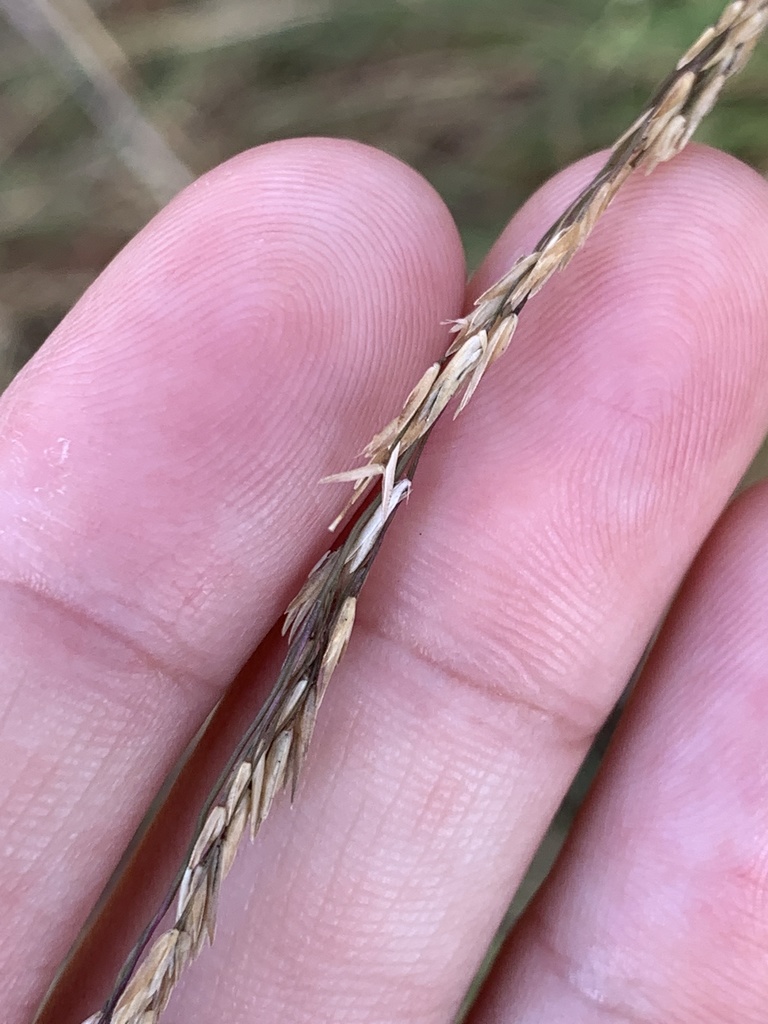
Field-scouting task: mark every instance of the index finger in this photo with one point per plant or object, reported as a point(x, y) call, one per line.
point(159, 462)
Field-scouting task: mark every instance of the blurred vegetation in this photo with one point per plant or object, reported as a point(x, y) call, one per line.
point(107, 108)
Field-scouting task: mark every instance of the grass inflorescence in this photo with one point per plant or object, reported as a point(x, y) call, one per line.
point(320, 619)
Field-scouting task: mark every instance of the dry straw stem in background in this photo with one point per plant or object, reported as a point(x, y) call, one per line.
point(319, 620)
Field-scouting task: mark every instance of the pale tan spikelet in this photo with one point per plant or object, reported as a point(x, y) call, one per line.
point(702, 105)
point(130, 1009)
point(368, 536)
point(508, 292)
point(753, 28)
point(189, 882)
point(181, 956)
point(486, 311)
point(305, 724)
point(667, 144)
point(338, 640)
point(233, 835)
point(732, 13)
point(546, 265)
point(237, 805)
point(379, 447)
point(666, 131)
point(360, 475)
point(522, 290)
point(302, 604)
point(196, 909)
point(744, 29)
point(145, 985)
point(507, 284)
point(257, 787)
point(241, 779)
point(388, 481)
point(673, 102)
point(213, 884)
point(160, 962)
point(274, 770)
point(502, 336)
point(463, 361)
point(490, 350)
point(701, 44)
point(292, 701)
point(210, 832)
point(568, 242)
point(481, 366)
point(597, 206)
point(738, 59)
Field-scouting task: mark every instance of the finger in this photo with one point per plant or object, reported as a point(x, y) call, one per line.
point(158, 488)
point(656, 911)
point(547, 529)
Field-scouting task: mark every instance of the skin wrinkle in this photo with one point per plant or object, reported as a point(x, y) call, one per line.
point(84, 622)
point(527, 641)
point(573, 723)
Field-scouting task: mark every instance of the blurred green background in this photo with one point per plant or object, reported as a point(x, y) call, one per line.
point(107, 107)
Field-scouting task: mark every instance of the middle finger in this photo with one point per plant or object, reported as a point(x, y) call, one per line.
point(547, 530)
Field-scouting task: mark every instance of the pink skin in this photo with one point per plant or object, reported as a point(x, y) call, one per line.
point(658, 910)
point(158, 468)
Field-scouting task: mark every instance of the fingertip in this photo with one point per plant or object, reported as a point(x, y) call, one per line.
point(163, 448)
point(645, 359)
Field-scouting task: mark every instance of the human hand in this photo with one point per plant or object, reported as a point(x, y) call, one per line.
point(159, 461)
